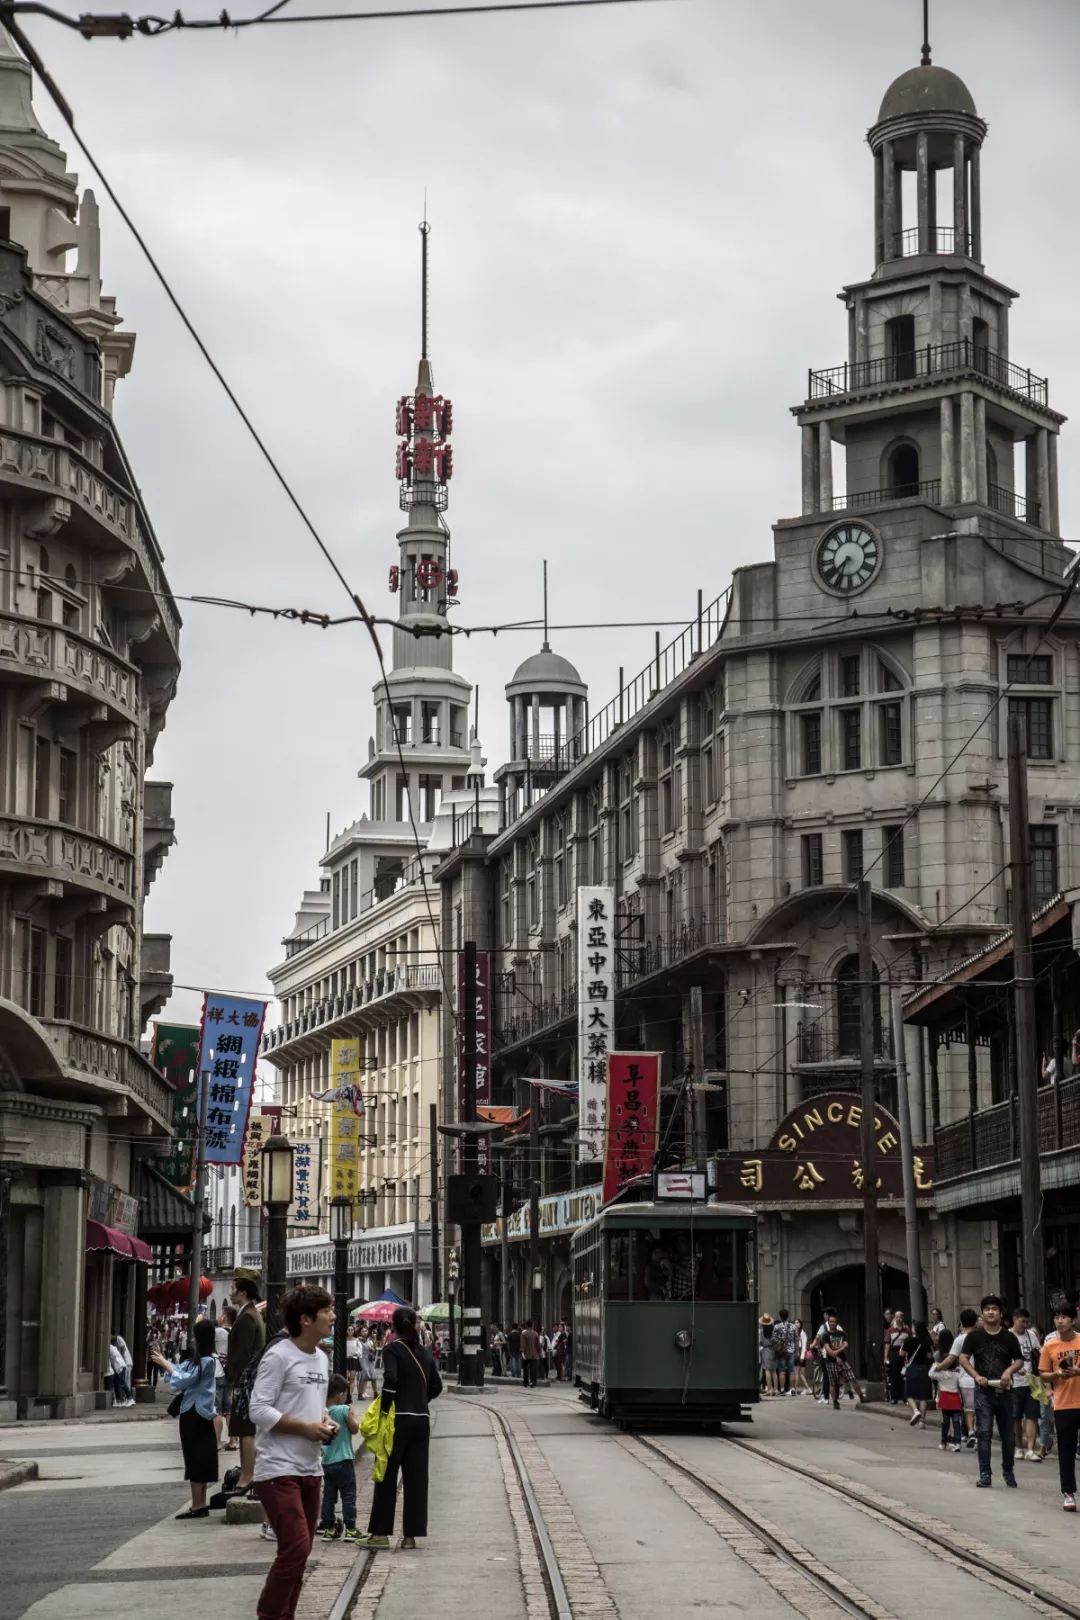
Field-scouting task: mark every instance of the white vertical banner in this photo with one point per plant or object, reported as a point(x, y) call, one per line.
point(596, 1015)
point(304, 1209)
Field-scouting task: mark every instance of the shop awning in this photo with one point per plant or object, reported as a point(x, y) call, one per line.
point(99, 1236)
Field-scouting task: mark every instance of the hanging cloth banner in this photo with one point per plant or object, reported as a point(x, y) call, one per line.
point(174, 1052)
point(304, 1209)
point(596, 1014)
point(259, 1128)
point(228, 1048)
point(633, 1118)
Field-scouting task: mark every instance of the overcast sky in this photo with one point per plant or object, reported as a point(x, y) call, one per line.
point(641, 216)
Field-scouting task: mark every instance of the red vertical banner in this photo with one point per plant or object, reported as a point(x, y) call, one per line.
point(633, 1118)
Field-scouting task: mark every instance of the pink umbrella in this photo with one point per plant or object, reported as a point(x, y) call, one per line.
point(381, 1311)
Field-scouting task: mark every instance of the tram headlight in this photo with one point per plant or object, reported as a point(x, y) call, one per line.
point(684, 1338)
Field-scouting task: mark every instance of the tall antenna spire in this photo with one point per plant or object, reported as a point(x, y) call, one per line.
point(925, 33)
point(546, 648)
point(425, 229)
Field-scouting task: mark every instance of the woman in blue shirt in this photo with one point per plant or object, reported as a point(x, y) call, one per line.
point(194, 1381)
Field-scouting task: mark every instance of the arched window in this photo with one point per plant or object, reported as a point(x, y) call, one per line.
point(849, 1009)
point(904, 470)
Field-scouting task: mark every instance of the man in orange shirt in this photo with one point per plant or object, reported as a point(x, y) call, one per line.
point(1059, 1366)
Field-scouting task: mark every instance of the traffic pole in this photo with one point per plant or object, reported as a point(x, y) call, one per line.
point(471, 1374)
point(1032, 1257)
point(868, 1020)
point(916, 1292)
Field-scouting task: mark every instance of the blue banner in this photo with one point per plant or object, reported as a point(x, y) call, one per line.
point(228, 1048)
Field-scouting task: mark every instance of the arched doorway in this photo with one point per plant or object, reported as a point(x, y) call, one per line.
point(843, 1291)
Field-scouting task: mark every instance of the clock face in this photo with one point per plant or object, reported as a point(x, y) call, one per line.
point(848, 558)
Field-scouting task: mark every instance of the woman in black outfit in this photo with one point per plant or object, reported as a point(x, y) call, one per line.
point(410, 1381)
point(918, 1353)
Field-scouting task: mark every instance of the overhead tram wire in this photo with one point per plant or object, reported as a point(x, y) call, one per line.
point(64, 108)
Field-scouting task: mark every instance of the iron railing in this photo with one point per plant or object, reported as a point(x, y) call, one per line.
point(1010, 504)
point(939, 239)
point(464, 823)
point(929, 489)
point(220, 1258)
point(353, 1000)
point(990, 1138)
point(636, 959)
point(931, 361)
point(408, 874)
point(533, 1012)
point(826, 1040)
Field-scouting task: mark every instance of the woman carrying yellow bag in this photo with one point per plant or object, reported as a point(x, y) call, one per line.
point(410, 1381)
point(377, 1433)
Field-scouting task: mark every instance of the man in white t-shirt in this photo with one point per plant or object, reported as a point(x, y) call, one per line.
point(288, 1409)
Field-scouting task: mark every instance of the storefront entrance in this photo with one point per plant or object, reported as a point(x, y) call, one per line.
point(843, 1291)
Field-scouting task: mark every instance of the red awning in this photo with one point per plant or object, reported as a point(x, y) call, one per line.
point(99, 1236)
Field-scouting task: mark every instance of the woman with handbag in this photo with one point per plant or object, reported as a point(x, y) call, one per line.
point(193, 1384)
point(410, 1381)
point(918, 1354)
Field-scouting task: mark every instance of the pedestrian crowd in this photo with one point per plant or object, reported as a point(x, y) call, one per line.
point(531, 1353)
point(995, 1372)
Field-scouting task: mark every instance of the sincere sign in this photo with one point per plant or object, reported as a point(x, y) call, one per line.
point(633, 1117)
point(816, 1155)
point(228, 1047)
point(596, 1014)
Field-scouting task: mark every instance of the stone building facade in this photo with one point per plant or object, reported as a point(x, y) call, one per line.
point(838, 712)
point(88, 665)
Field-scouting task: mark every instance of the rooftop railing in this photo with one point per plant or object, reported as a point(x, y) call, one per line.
point(931, 361)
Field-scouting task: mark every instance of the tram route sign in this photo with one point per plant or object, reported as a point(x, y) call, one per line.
point(815, 1156)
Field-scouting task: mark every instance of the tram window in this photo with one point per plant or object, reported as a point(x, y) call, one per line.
point(620, 1248)
point(731, 1259)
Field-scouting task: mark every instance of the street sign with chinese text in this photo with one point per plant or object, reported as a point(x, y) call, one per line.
point(596, 1014)
point(228, 1048)
point(816, 1156)
point(304, 1209)
point(175, 1053)
point(259, 1128)
point(633, 1118)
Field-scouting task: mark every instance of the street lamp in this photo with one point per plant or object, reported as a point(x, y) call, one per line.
point(341, 1220)
point(277, 1195)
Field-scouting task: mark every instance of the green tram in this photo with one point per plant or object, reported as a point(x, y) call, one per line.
point(665, 1312)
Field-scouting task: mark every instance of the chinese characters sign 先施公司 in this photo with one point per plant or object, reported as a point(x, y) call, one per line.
point(228, 1049)
point(259, 1127)
point(633, 1118)
point(596, 1014)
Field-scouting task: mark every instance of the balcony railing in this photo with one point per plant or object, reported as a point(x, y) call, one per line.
point(826, 1040)
point(928, 490)
point(221, 1258)
point(43, 849)
point(941, 239)
point(352, 1002)
point(1009, 504)
point(535, 1012)
point(991, 1138)
point(934, 360)
point(86, 1054)
point(635, 960)
point(406, 876)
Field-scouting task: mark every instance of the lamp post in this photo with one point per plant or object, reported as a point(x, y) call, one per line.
point(340, 1233)
point(277, 1193)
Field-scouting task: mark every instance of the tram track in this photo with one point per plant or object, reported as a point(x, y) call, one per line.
point(991, 1565)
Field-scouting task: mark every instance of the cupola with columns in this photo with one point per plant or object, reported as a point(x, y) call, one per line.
point(930, 403)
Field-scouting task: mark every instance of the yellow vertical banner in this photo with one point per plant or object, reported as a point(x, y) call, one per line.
point(344, 1123)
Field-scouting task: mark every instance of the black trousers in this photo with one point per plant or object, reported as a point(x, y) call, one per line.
point(412, 1439)
point(1067, 1425)
point(528, 1372)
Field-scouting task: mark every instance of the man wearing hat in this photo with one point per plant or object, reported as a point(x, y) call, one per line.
point(767, 1353)
point(246, 1342)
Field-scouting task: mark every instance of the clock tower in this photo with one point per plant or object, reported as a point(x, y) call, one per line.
point(929, 408)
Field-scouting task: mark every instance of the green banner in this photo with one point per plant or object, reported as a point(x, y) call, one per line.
point(175, 1052)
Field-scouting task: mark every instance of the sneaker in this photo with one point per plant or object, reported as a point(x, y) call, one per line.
point(268, 1532)
point(953, 1445)
point(823, 1400)
point(408, 1544)
point(941, 1445)
point(353, 1534)
point(913, 1420)
point(330, 1532)
point(1010, 1480)
point(983, 1482)
point(376, 1543)
point(971, 1442)
point(1068, 1502)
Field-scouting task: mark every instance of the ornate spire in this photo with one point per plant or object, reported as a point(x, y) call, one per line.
point(926, 33)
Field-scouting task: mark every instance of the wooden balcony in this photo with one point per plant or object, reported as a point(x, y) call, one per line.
point(990, 1138)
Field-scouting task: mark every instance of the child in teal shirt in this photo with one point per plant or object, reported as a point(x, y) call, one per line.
point(339, 1470)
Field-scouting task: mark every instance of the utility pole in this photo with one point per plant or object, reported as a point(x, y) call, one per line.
point(506, 1204)
point(198, 1203)
point(536, 1282)
point(916, 1292)
point(693, 1096)
point(433, 1151)
point(1027, 1052)
point(868, 1141)
point(472, 1360)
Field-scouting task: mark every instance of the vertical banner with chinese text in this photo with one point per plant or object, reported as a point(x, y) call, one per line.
point(228, 1050)
point(483, 1029)
point(304, 1209)
point(344, 1123)
point(633, 1118)
point(259, 1127)
point(596, 1014)
point(175, 1053)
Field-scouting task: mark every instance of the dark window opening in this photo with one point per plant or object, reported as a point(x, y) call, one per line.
point(980, 344)
point(811, 744)
point(900, 341)
point(851, 738)
point(853, 855)
point(1044, 863)
point(849, 1009)
point(849, 675)
point(904, 470)
point(1037, 717)
point(813, 873)
point(892, 853)
point(892, 740)
point(1038, 670)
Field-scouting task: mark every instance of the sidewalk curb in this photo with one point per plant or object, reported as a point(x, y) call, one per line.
point(15, 1473)
point(353, 1580)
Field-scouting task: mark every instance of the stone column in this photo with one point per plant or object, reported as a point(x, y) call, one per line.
point(976, 207)
point(981, 492)
point(536, 726)
point(935, 312)
point(824, 467)
point(1043, 473)
point(922, 190)
point(809, 468)
point(968, 484)
point(889, 220)
point(63, 1263)
point(959, 195)
point(141, 1388)
point(879, 210)
point(7, 1176)
point(948, 454)
point(1054, 525)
